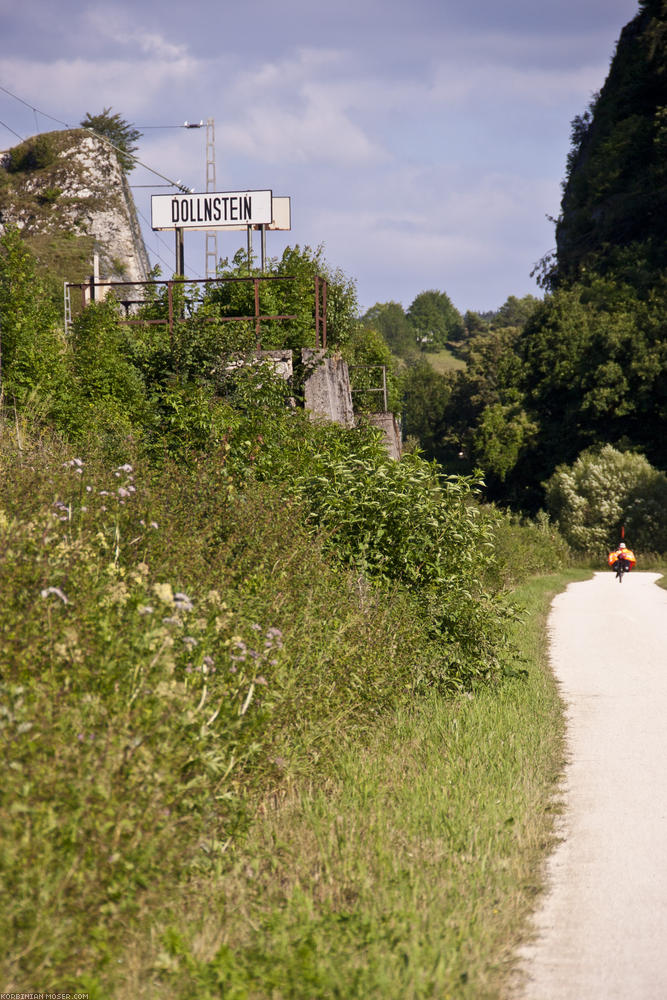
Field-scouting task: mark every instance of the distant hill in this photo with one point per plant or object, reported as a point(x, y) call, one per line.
point(614, 206)
point(70, 198)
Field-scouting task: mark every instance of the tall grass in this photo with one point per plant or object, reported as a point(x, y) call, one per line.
point(169, 656)
point(408, 872)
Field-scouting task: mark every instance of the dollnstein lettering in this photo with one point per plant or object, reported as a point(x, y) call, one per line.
point(211, 208)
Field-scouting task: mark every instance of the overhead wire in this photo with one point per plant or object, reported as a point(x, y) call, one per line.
point(10, 129)
point(170, 182)
point(136, 160)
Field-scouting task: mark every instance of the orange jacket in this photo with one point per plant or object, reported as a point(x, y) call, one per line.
point(626, 554)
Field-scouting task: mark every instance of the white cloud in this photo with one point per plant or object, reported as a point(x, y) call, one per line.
point(79, 85)
point(297, 111)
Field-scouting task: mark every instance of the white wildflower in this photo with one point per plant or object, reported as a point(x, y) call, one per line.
point(57, 591)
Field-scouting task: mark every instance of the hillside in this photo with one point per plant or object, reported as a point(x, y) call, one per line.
point(615, 192)
point(70, 198)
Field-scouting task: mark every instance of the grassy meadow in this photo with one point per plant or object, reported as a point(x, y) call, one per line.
point(444, 361)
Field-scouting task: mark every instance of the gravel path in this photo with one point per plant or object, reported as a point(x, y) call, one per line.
point(602, 925)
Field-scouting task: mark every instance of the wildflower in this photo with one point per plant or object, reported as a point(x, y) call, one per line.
point(171, 620)
point(164, 592)
point(124, 468)
point(274, 637)
point(104, 493)
point(182, 601)
point(145, 609)
point(241, 651)
point(257, 628)
point(89, 489)
point(153, 524)
point(261, 680)
point(190, 640)
point(122, 492)
point(57, 591)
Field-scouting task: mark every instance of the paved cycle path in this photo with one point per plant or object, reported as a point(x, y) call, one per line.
point(601, 929)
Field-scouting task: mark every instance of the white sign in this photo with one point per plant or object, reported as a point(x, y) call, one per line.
point(282, 216)
point(213, 210)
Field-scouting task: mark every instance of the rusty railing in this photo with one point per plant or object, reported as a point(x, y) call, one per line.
point(88, 295)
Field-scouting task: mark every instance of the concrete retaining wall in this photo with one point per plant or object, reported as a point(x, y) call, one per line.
point(327, 388)
point(387, 423)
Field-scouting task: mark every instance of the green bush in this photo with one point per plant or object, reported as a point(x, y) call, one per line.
point(525, 547)
point(33, 154)
point(401, 523)
point(32, 349)
point(604, 491)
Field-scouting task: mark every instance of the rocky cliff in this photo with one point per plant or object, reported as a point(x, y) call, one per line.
point(70, 198)
point(615, 193)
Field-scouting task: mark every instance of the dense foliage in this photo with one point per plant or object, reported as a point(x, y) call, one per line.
point(204, 597)
point(615, 190)
point(430, 322)
point(604, 492)
point(33, 154)
point(547, 381)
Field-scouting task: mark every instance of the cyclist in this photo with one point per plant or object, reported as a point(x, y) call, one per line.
point(622, 559)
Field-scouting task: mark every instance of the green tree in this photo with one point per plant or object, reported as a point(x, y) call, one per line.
point(615, 189)
point(435, 320)
point(122, 136)
point(293, 296)
point(605, 490)
point(426, 395)
point(503, 433)
point(390, 320)
point(474, 324)
point(515, 311)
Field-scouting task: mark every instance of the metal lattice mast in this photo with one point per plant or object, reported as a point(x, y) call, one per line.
point(212, 236)
point(68, 308)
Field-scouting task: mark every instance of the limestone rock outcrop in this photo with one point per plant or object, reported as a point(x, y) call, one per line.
point(70, 198)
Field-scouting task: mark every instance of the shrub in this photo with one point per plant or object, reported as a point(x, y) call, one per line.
point(34, 154)
point(32, 350)
point(400, 523)
point(605, 490)
point(525, 547)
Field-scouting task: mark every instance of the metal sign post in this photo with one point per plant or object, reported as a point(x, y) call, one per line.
point(180, 253)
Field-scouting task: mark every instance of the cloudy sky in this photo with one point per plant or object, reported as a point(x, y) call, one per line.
point(422, 142)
